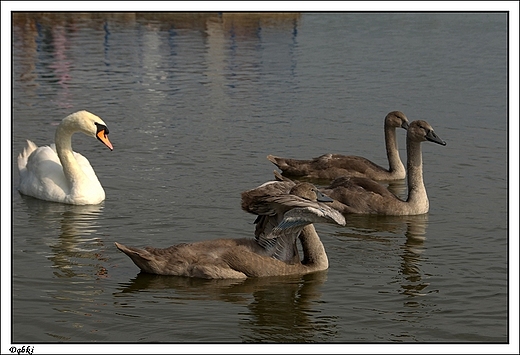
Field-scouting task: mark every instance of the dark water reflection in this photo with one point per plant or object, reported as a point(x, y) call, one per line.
point(382, 229)
point(276, 309)
point(78, 242)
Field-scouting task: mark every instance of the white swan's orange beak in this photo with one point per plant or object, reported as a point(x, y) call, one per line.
point(102, 135)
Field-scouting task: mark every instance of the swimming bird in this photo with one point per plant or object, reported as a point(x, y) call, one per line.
point(331, 166)
point(245, 257)
point(366, 196)
point(270, 201)
point(57, 173)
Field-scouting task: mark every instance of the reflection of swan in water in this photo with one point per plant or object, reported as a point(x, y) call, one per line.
point(289, 313)
point(279, 308)
point(76, 245)
point(381, 229)
point(413, 283)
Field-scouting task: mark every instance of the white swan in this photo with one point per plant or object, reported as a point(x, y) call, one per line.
point(331, 166)
point(56, 173)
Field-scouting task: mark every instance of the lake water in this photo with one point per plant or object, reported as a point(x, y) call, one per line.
point(194, 104)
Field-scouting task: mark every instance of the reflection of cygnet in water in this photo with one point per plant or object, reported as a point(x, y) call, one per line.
point(412, 255)
point(275, 309)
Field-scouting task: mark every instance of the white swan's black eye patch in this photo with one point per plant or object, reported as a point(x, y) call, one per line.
point(101, 127)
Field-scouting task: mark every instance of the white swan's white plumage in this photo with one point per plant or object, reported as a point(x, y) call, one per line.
point(56, 173)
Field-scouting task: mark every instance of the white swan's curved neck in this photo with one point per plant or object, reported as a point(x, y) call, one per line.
point(392, 151)
point(71, 168)
point(314, 254)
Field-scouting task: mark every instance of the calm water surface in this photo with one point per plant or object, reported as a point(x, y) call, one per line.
point(194, 103)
